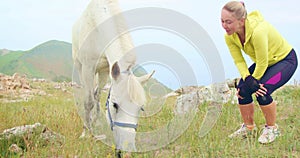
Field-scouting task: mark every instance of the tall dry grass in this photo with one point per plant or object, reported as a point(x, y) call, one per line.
point(59, 113)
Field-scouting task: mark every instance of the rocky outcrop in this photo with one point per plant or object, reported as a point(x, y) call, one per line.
point(18, 88)
point(190, 97)
point(13, 82)
point(17, 139)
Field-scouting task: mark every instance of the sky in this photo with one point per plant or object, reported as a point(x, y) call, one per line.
point(27, 23)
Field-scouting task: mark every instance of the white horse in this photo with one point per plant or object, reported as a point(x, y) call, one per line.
point(99, 39)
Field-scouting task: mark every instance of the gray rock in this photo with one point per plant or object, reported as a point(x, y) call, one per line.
point(19, 138)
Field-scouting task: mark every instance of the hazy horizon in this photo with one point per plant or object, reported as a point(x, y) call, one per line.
point(29, 23)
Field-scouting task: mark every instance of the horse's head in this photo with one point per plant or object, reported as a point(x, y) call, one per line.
point(126, 99)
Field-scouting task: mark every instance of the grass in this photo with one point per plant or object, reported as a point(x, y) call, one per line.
point(58, 112)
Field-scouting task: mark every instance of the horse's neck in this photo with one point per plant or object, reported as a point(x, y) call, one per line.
point(96, 13)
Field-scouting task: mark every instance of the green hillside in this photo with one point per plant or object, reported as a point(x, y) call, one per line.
point(6, 60)
point(51, 60)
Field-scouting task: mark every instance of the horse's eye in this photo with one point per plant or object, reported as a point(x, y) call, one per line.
point(116, 106)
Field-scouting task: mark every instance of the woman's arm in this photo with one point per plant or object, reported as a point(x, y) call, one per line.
point(237, 56)
point(260, 44)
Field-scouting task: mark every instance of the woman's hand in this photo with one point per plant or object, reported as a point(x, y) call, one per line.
point(261, 91)
point(252, 83)
point(238, 94)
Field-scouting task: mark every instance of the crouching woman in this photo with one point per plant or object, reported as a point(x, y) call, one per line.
point(275, 62)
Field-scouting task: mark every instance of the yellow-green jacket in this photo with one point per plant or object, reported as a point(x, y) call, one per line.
point(263, 44)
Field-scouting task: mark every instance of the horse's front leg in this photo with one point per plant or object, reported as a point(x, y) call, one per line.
point(89, 102)
point(102, 78)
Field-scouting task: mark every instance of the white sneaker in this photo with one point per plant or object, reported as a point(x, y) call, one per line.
point(269, 134)
point(243, 132)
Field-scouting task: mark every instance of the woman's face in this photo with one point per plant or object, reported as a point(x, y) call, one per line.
point(230, 23)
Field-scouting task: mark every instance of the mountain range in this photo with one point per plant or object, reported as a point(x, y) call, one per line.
point(51, 60)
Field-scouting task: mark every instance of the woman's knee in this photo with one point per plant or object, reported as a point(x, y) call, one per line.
point(244, 92)
point(264, 100)
point(246, 100)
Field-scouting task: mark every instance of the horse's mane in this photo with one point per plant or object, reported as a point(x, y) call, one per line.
point(136, 91)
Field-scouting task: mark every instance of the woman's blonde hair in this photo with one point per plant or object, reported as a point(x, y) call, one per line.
point(237, 8)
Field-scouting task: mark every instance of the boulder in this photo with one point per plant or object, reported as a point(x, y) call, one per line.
point(189, 98)
point(17, 139)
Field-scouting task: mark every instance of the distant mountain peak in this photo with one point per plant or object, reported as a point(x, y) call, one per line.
point(51, 43)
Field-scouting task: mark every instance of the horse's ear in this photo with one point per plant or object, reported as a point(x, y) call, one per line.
point(115, 71)
point(129, 67)
point(144, 78)
point(127, 61)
